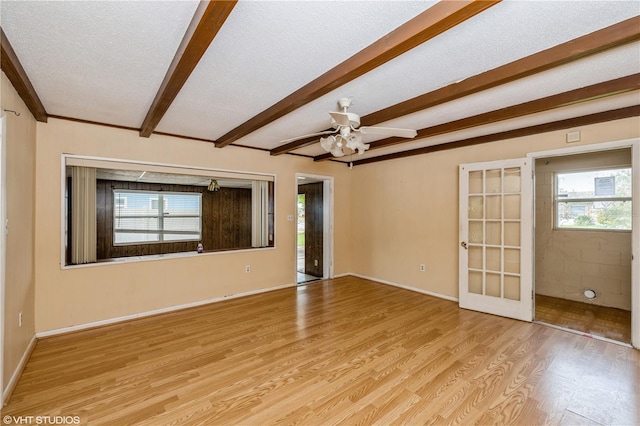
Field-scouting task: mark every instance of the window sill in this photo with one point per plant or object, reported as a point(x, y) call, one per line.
point(156, 257)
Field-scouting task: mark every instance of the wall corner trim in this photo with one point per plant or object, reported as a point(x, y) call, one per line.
point(406, 287)
point(18, 371)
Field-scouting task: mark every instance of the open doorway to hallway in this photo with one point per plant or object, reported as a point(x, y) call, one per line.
point(313, 228)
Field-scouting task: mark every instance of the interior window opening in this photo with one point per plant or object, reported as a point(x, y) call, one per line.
point(138, 210)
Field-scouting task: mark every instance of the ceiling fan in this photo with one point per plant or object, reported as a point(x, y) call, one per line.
point(346, 132)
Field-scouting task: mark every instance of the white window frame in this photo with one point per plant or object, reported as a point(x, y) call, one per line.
point(161, 232)
point(557, 199)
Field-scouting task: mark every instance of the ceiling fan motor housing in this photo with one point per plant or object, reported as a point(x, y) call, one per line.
point(354, 120)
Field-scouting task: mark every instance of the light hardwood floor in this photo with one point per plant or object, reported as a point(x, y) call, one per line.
point(344, 351)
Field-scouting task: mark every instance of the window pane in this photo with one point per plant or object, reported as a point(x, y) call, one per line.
point(136, 223)
point(131, 238)
point(181, 237)
point(182, 204)
point(182, 224)
point(594, 184)
point(594, 215)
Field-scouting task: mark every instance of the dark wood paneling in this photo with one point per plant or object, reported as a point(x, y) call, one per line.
point(313, 228)
point(272, 214)
point(226, 220)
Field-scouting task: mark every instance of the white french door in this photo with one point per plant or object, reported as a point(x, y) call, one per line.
point(496, 262)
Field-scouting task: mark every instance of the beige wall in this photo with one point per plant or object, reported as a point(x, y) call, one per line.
point(20, 180)
point(389, 218)
point(70, 297)
point(571, 261)
point(405, 211)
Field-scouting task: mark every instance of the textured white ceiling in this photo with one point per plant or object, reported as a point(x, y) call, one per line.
point(96, 60)
point(268, 49)
point(104, 61)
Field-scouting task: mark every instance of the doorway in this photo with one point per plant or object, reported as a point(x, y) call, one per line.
point(313, 228)
point(3, 247)
point(484, 265)
point(583, 252)
point(613, 257)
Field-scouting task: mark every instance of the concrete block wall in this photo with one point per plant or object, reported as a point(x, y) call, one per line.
point(570, 261)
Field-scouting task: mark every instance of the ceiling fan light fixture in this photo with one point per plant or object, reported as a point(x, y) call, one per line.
point(347, 132)
point(214, 186)
point(327, 143)
point(337, 151)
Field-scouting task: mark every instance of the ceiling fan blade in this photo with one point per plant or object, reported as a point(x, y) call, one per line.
point(388, 131)
point(326, 132)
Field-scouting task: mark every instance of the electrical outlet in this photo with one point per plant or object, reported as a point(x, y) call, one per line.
point(315, 262)
point(20, 319)
point(290, 218)
point(422, 267)
point(247, 268)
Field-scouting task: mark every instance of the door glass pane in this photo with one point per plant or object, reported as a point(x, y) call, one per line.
point(475, 182)
point(512, 260)
point(494, 262)
point(475, 232)
point(476, 210)
point(494, 181)
point(493, 285)
point(475, 282)
point(512, 206)
point(494, 207)
point(494, 233)
point(511, 287)
point(512, 180)
point(475, 257)
point(512, 234)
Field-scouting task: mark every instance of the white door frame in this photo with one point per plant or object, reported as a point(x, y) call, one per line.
point(634, 144)
point(3, 244)
point(327, 221)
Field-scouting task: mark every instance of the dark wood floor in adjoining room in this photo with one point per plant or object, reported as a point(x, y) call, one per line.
point(344, 351)
point(611, 323)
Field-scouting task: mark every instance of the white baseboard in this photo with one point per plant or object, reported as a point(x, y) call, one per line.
point(110, 321)
point(17, 372)
point(406, 287)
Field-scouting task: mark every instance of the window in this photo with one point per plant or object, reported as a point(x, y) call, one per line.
point(152, 217)
point(595, 199)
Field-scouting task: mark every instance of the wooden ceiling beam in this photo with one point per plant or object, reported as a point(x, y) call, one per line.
point(18, 77)
point(432, 22)
point(206, 22)
point(600, 117)
point(583, 94)
point(598, 41)
point(607, 38)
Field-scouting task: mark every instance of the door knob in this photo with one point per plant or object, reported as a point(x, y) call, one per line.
point(463, 244)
